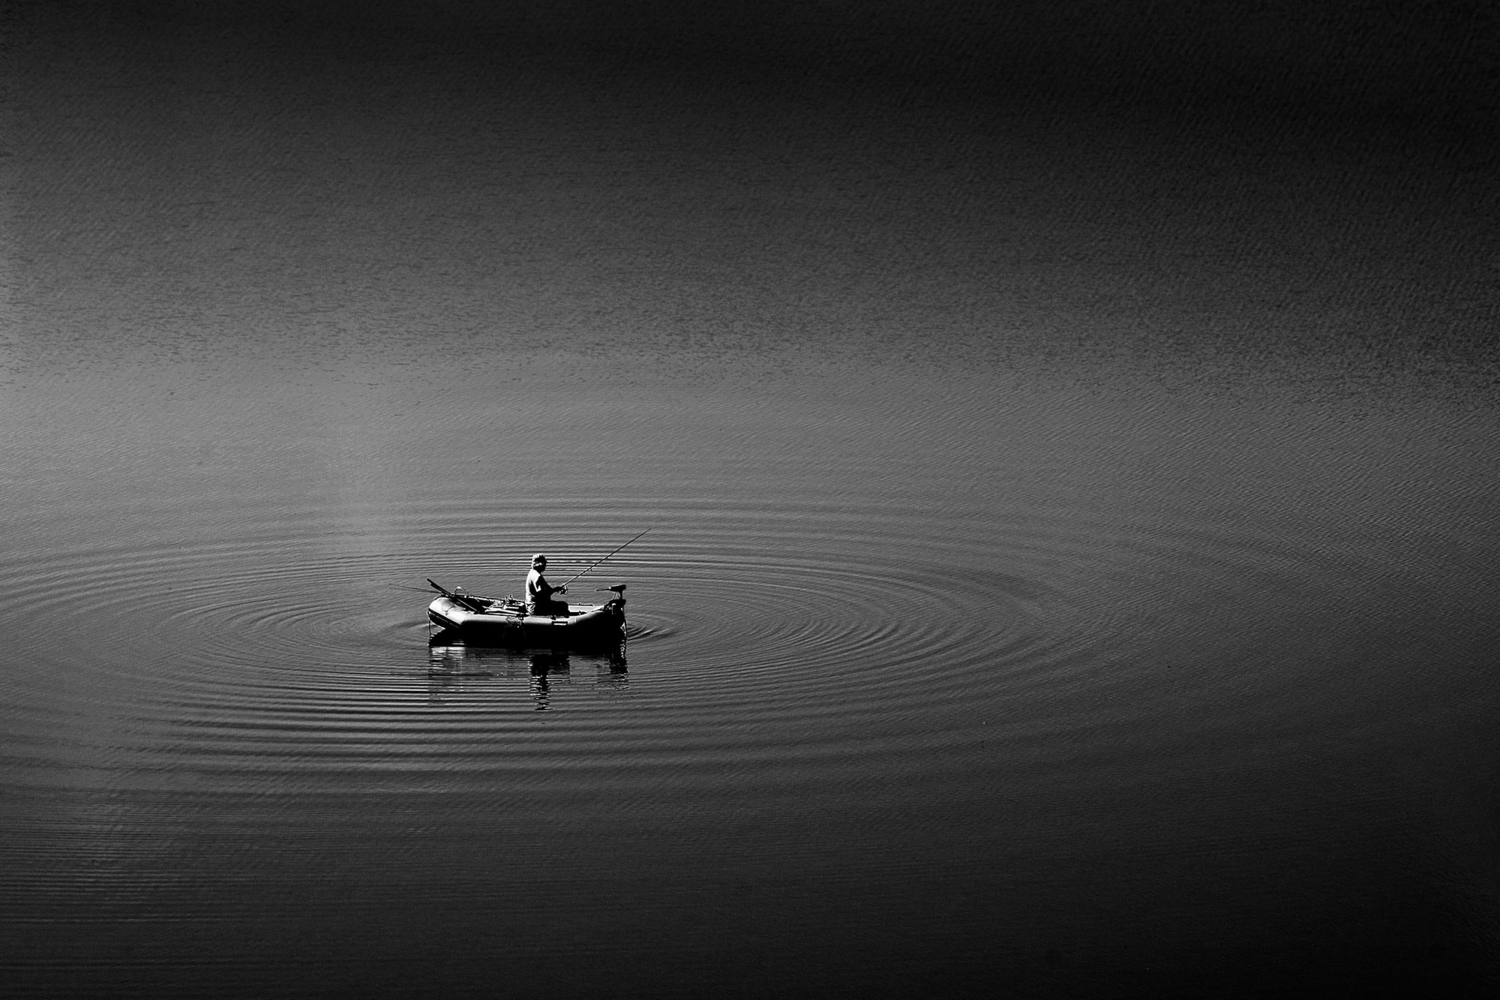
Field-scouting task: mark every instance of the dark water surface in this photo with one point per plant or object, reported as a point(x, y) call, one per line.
point(1072, 571)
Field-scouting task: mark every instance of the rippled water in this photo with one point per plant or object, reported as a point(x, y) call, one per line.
point(1105, 607)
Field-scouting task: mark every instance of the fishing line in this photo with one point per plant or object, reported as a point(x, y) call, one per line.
point(592, 565)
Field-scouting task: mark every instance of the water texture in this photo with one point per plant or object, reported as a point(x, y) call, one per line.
point(1072, 565)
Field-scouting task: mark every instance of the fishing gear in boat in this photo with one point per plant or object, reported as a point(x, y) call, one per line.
point(474, 604)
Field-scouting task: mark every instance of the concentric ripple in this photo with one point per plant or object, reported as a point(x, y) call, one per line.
point(298, 648)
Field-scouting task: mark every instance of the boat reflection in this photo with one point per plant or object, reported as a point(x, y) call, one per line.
point(452, 660)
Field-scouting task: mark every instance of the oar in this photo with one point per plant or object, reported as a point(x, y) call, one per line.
point(591, 565)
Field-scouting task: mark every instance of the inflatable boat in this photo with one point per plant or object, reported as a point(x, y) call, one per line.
point(506, 622)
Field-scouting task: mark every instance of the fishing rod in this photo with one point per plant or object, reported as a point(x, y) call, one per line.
point(592, 565)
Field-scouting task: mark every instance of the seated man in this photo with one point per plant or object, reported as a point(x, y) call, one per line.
point(539, 593)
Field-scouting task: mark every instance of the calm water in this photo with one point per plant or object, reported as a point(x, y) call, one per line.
point(1072, 567)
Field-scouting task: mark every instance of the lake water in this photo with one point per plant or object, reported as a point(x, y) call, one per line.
point(1072, 566)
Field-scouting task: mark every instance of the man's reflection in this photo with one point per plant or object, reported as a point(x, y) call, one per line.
point(542, 665)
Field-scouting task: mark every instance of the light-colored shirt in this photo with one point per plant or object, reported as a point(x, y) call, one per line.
point(537, 588)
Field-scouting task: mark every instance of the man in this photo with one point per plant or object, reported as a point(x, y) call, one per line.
point(539, 593)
